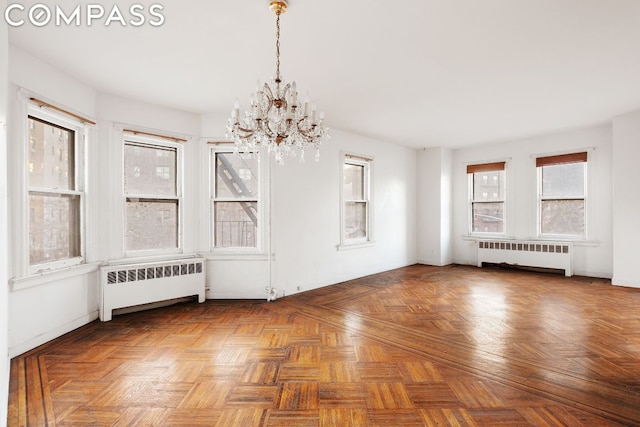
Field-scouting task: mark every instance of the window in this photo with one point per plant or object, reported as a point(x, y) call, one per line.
point(152, 196)
point(561, 195)
point(235, 200)
point(55, 185)
point(487, 198)
point(356, 219)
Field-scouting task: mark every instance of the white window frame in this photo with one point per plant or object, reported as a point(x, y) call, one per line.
point(138, 139)
point(80, 177)
point(540, 199)
point(367, 163)
point(471, 201)
point(259, 200)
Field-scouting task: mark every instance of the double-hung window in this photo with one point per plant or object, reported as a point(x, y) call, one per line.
point(356, 195)
point(487, 198)
point(561, 195)
point(153, 196)
point(56, 177)
point(235, 200)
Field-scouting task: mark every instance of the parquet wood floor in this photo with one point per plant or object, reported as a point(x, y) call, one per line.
point(417, 346)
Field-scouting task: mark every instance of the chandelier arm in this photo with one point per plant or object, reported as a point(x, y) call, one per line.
point(268, 93)
point(266, 128)
point(311, 135)
point(266, 123)
point(247, 132)
point(307, 137)
point(306, 133)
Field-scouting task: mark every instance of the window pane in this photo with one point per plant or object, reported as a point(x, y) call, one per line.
point(151, 224)
point(236, 176)
point(54, 227)
point(236, 224)
point(354, 182)
point(51, 156)
point(355, 226)
point(488, 185)
point(488, 217)
point(566, 180)
point(149, 170)
point(563, 217)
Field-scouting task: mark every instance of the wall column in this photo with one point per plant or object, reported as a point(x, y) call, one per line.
point(626, 199)
point(434, 206)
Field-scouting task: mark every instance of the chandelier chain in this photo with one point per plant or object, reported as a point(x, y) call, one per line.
point(278, 47)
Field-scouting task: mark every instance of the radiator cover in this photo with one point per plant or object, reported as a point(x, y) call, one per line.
point(558, 255)
point(126, 285)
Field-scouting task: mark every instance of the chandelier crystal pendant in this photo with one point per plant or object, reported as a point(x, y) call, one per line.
point(276, 118)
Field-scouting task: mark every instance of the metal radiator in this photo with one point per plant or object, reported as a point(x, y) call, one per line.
point(557, 255)
point(127, 285)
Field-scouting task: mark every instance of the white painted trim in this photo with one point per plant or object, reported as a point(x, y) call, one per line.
point(156, 258)
point(471, 201)
point(262, 199)
point(34, 342)
point(367, 162)
point(21, 283)
point(80, 182)
point(151, 141)
point(358, 245)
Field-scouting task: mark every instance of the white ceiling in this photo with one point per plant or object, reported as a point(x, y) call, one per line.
point(415, 72)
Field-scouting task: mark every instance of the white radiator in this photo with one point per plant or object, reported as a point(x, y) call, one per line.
point(126, 285)
point(558, 255)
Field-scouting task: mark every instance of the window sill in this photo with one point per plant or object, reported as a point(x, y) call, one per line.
point(39, 279)
point(358, 245)
point(476, 237)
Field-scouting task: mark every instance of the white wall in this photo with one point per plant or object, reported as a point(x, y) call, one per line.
point(434, 206)
point(115, 113)
point(306, 221)
point(306, 216)
point(626, 199)
point(66, 300)
point(27, 71)
point(4, 293)
point(591, 258)
point(306, 203)
point(43, 307)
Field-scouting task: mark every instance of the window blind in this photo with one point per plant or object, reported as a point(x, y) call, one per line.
point(486, 167)
point(561, 159)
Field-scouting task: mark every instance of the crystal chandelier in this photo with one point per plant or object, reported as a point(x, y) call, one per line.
point(276, 119)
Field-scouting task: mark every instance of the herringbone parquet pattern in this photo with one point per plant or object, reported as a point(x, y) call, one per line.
point(454, 346)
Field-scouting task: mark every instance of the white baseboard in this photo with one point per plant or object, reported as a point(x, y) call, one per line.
point(233, 295)
point(465, 262)
point(34, 342)
point(434, 262)
point(597, 274)
point(623, 282)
